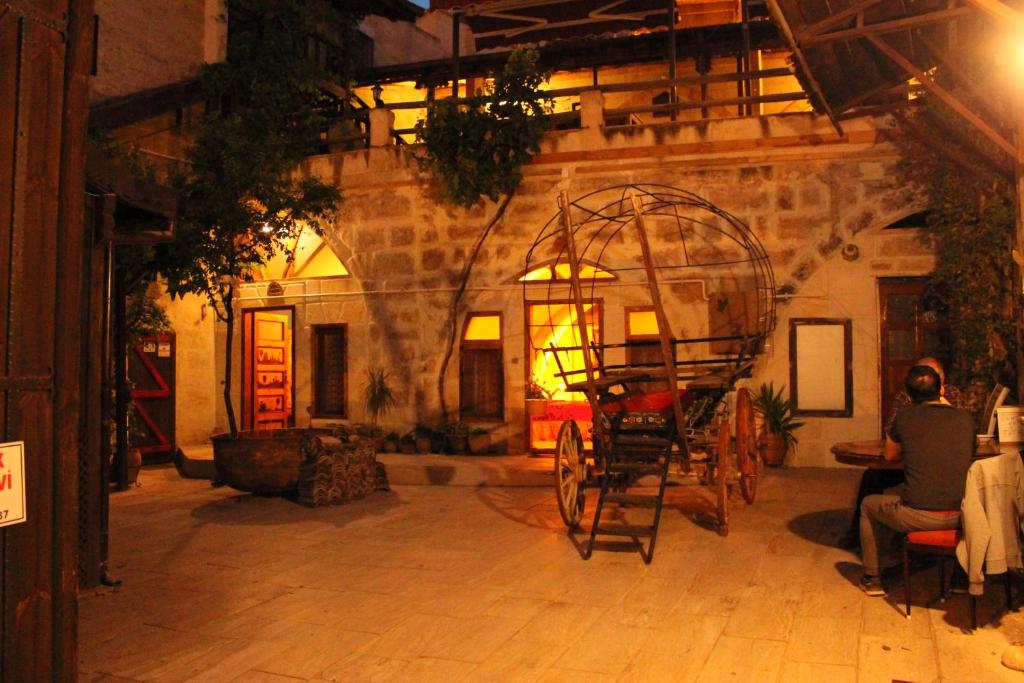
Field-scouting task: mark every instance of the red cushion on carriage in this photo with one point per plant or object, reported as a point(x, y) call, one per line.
point(945, 538)
point(649, 402)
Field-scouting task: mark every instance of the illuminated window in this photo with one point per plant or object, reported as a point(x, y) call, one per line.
point(308, 256)
point(561, 272)
point(643, 350)
point(481, 369)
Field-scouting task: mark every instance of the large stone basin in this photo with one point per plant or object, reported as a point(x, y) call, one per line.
point(265, 462)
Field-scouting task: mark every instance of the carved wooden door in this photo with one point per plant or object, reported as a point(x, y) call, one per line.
point(267, 368)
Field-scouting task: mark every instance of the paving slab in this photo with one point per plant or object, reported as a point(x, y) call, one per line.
point(480, 582)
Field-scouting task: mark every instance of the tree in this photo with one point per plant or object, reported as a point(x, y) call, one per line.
point(241, 200)
point(969, 183)
point(476, 149)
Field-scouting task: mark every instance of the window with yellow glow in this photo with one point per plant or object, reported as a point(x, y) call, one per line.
point(561, 272)
point(307, 256)
point(641, 324)
point(555, 323)
point(483, 328)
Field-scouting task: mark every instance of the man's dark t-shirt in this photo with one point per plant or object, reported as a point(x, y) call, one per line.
point(937, 444)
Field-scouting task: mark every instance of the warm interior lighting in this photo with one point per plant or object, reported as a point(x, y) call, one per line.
point(308, 256)
point(266, 228)
point(483, 328)
point(561, 272)
point(556, 324)
point(642, 323)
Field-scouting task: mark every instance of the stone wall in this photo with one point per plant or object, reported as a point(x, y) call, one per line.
point(148, 43)
point(804, 190)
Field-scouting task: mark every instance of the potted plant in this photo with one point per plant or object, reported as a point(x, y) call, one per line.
point(378, 395)
point(456, 437)
point(407, 443)
point(537, 397)
point(424, 438)
point(479, 441)
point(779, 423)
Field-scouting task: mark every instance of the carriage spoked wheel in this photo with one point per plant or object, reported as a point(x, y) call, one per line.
point(723, 471)
point(570, 474)
point(746, 446)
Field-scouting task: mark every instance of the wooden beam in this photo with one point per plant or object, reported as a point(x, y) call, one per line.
point(962, 79)
point(581, 321)
point(668, 352)
point(837, 18)
point(943, 94)
point(1000, 11)
point(888, 26)
point(787, 31)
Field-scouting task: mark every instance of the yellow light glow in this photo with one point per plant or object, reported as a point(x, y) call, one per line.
point(556, 324)
point(483, 328)
point(537, 275)
point(642, 323)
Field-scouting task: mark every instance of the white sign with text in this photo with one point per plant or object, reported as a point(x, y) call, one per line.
point(12, 483)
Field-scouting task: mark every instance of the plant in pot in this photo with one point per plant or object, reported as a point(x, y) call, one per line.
point(379, 398)
point(407, 443)
point(456, 437)
point(537, 397)
point(479, 440)
point(425, 437)
point(777, 435)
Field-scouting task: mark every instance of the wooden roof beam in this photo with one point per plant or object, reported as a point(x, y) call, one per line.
point(964, 81)
point(888, 26)
point(946, 96)
point(1000, 11)
point(838, 18)
point(818, 94)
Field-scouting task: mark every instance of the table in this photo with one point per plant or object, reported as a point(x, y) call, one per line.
point(869, 453)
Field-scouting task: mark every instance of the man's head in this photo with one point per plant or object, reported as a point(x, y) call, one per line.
point(923, 384)
point(935, 365)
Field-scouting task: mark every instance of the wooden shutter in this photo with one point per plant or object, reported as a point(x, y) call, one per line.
point(329, 363)
point(481, 383)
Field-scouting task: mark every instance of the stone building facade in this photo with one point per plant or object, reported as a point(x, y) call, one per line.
point(818, 200)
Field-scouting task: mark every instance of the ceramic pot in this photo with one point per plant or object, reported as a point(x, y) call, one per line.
point(773, 448)
point(536, 407)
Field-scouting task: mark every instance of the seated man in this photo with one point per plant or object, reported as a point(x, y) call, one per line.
point(878, 480)
point(935, 442)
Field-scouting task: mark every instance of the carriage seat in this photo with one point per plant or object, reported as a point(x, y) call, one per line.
point(647, 402)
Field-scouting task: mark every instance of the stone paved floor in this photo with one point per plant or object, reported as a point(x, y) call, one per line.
point(454, 583)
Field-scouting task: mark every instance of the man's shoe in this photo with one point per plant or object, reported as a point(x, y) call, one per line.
point(871, 585)
point(849, 541)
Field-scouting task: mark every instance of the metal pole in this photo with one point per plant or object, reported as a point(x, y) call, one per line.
point(456, 20)
point(121, 378)
point(672, 93)
point(745, 7)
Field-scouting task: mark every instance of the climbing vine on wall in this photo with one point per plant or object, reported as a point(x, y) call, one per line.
point(971, 224)
point(477, 149)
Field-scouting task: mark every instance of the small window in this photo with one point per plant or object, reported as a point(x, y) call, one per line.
point(644, 350)
point(330, 365)
point(481, 369)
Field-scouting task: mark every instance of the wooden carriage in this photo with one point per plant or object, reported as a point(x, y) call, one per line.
point(670, 397)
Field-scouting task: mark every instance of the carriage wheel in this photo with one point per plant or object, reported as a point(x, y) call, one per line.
point(746, 446)
point(570, 474)
point(722, 473)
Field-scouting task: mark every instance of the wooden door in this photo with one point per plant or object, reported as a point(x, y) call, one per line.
point(267, 366)
point(910, 330)
point(151, 371)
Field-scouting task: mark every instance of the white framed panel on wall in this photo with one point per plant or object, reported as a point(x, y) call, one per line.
point(820, 367)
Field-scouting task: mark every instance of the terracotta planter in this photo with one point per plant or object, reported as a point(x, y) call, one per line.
point(536, 407)
point(773, 448)
point(479, 443)
point(423, 444)
point(265, 462)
